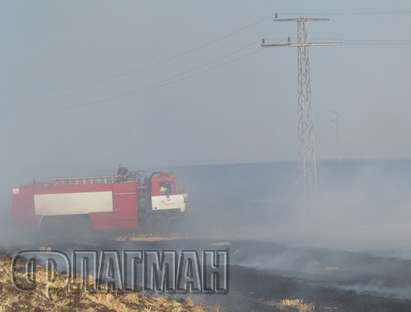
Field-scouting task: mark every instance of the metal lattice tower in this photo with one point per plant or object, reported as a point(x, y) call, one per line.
point(305, 127)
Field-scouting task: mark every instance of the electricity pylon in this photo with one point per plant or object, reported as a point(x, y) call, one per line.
point(305, 127)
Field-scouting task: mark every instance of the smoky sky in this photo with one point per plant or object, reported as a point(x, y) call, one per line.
point(157, 83)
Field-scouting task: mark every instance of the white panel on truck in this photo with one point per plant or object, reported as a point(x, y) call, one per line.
point(164, 202)
point(72, 203)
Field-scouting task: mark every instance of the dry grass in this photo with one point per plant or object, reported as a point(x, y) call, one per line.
point(151, 238)
point(295, 305)
point(44, 298)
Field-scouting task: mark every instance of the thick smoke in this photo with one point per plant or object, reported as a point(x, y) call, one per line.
point(357, 204)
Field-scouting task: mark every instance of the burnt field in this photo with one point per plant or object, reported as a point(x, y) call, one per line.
point(264, 276)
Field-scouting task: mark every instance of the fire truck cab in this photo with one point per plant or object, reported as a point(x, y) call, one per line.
point(164, 194)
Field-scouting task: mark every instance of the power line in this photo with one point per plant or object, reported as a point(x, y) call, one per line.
point(363, 42)
point(173, 79)
point(211, 67)
point(220, 38)
point(369, 42)
point(205, 65)
point(177, 55)
point(339, 12)
point(378, 42)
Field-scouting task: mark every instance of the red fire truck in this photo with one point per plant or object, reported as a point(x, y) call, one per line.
point(126, 201)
